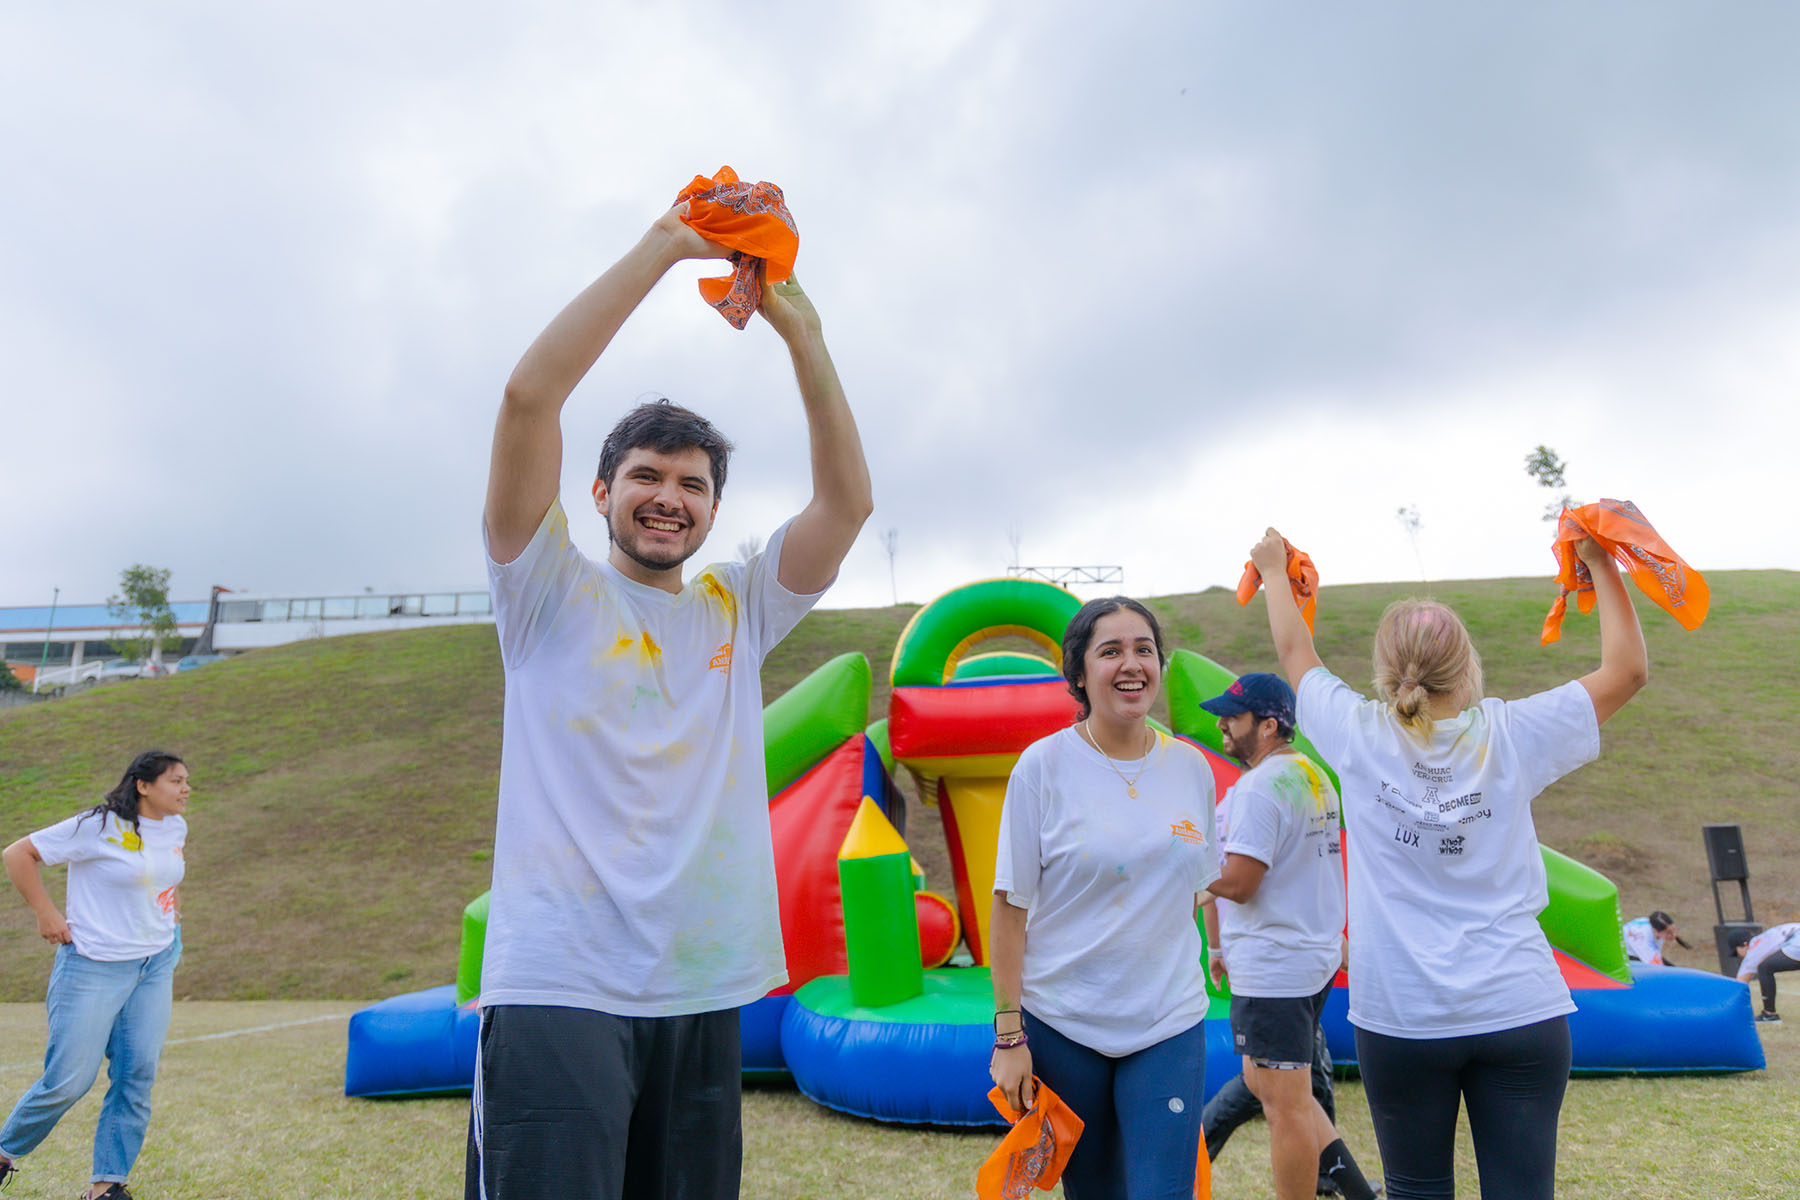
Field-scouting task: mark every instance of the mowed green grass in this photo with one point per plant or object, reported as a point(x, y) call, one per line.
point(249, 1103)
point(344, 803)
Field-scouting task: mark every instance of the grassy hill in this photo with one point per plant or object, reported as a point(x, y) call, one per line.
point(344, 788)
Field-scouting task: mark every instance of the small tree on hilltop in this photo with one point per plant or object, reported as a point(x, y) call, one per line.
point(143, 605)
point(890, 542)
point(8, 681)
point(1408, 516)
point(1543, 465)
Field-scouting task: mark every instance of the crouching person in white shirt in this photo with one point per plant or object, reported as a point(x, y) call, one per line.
point(1281, 922)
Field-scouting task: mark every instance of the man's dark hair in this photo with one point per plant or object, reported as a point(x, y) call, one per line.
point(665, 427)
point(1080, 633)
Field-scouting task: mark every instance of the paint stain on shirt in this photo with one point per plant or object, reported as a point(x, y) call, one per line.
point(714, 589)
point(643, 646)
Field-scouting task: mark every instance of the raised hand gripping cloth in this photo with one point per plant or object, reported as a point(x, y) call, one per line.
point(1621, 530)
point(1034, 1151)
point(1303, 577)
point(752, 221)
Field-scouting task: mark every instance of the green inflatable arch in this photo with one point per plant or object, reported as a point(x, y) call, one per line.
point(940, 635)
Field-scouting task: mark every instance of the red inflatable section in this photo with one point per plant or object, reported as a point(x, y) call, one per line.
point(939, 929)
point(1225, 772)
point(959, 722)
point(809, 820)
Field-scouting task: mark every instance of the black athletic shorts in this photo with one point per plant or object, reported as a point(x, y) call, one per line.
point(1277, 1031)
point(572, 1102)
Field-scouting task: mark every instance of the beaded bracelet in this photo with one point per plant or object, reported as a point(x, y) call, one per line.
point(1011, 1040)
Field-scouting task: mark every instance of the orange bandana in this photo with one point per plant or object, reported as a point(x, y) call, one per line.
point(1034, 1151)
point(1621, 531)
point(752, 221)
point(1303, 577)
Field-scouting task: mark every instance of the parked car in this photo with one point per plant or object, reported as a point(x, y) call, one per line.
point(118, 668)
point(188, 662)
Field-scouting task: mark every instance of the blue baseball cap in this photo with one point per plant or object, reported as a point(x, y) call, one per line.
point(1260, 693)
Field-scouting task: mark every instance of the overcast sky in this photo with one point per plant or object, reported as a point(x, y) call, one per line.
point(1135, 280)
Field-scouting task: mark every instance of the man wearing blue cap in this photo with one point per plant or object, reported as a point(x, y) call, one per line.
point(1281, 918)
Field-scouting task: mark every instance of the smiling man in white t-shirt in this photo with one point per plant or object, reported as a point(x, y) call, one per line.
point(1281, 919)
point(633, 907)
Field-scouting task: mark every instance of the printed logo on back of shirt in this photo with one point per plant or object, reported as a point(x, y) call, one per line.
point(1451, 845)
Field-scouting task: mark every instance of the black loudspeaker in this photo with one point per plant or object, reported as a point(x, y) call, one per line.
point(1728, 936)
point(1725, 852)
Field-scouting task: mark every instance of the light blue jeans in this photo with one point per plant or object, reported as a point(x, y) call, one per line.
point(113, 1010)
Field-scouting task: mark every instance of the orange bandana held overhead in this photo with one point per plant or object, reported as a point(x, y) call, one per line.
point(752, 221)
point(1621, 530)
point(1303, 577)
point(1034, 1151)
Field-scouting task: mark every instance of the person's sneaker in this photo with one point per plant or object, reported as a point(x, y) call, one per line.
point(115, 1191)
point(1767, 1018)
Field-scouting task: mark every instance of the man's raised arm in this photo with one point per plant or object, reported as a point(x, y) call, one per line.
point(526, 466)
point(842, 498)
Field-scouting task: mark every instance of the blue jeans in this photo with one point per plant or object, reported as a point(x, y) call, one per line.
point(113, 1010)
point(1140, 1137)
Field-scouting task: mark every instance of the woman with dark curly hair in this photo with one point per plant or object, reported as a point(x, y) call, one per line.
point(1106, 847)
point(116, 948)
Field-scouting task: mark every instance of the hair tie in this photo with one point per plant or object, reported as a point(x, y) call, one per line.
point(1406, 679)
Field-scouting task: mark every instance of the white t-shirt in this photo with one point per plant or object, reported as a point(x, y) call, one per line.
point(1642, 941)
point(121, 882)
point(1112, 953)
point(634, 872)
point(1287, 939)
point(1785, 938)
point(1446, 877)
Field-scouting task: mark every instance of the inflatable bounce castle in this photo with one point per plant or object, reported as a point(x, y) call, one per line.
point(875, 1020)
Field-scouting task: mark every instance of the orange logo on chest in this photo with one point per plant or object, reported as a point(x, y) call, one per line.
point(721, 660)
point(1187, 832)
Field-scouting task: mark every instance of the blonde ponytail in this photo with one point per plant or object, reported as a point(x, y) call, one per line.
point(1422, 651)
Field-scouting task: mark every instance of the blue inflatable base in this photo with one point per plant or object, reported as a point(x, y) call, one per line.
point(1671, 1020)
point(917, 1072)
point(413, 1044)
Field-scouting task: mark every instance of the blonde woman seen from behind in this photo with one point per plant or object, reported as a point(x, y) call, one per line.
point(1454, 993)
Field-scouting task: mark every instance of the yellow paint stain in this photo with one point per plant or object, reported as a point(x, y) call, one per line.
point(711, 587)
point(642, 646)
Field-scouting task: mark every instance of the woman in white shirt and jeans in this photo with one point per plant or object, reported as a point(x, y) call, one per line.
point(1106, 845)
point(1454, 993)
point(110, 989)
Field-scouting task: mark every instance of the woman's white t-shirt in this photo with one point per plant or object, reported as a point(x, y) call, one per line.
point(1288, 939)
point(1112, 953)
point(1446, 877)
point(121, 902)
point(1641, 941)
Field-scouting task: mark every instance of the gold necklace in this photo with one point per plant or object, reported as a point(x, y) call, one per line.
point(1130, 784)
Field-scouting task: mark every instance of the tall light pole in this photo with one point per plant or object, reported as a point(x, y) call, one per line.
point(55, 594)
